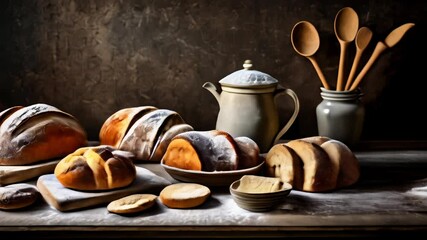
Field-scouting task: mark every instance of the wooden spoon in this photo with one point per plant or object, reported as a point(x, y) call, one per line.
point(306, 41)
point(363, 38)
point(392, 39)
point(346, 25)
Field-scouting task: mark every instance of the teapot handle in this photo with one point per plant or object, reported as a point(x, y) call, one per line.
point(293, 95)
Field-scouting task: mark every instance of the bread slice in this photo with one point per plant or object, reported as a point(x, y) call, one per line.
point(320, 174)
point(284, 163)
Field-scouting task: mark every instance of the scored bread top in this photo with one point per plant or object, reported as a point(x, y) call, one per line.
point(37, 133)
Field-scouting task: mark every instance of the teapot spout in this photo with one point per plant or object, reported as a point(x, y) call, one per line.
point(211, 88)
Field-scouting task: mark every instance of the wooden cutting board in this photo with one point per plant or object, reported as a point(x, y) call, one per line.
point(64, 199)
point(14, 174)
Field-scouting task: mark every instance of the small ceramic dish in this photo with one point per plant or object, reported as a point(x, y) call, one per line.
point(213, 179)
point(259, 202)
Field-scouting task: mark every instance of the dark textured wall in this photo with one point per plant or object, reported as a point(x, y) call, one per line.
point(92, 58)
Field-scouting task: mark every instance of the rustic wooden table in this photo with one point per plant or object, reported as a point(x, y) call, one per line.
point(390, 199)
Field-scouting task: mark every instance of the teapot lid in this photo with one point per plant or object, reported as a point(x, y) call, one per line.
point(247, 77)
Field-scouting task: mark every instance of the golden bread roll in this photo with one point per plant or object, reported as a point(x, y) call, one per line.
point(145, 131)
point(324, 164)
point(96, 168)
point(210, 151)
point(184, 195)
point(38, 133)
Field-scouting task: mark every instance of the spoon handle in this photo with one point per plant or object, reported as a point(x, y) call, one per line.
point(319, 72)
point(379, 48)
point(353, 69)
point(340, 79)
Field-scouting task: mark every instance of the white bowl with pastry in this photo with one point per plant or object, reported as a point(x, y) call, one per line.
point(212, 158)
point(259, 193)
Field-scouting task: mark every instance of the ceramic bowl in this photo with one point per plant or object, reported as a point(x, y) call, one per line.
point(213, 179)
point(259, 202)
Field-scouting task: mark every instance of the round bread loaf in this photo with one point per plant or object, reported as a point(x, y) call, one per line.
point(132, 203)
point(145, 131)
point(96, 168)
point(324, 164)
point(16, 196)
point(184, 195)
point(38, 133)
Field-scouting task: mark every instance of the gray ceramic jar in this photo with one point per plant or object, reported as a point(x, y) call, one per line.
point(340, 115)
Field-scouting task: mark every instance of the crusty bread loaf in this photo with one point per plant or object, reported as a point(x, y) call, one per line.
point(184, 195)
point(145, 131)
point(210, 151)
point(19, 195)
point(37, 133)
point(324, 164)
point(96, 168)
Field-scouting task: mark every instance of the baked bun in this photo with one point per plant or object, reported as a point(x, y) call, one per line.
point(96, 168)
point(37, 133)
point(145, 131)
point(184, 195)
point(313, 164)
point(132, 204)
point(210, 151)
point(16, 196)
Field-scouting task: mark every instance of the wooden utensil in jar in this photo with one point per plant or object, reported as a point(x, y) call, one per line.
point(392, 39)
point(363, 37)
point(346, 25)
point(306, 41)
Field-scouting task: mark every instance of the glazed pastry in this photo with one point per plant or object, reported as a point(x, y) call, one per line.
point(38, 133)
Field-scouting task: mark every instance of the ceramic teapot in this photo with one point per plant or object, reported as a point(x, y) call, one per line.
point(248, 106)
